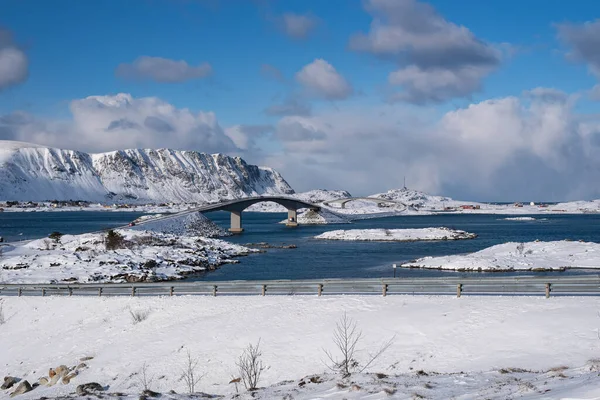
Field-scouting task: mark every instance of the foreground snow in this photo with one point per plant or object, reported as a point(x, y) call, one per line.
point(467, 348)
point(534, 256)
point(397, 235)
point(145, 256)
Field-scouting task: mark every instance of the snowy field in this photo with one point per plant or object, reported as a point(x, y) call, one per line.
point(534, 256)
point(396, 235)
point(444, 347)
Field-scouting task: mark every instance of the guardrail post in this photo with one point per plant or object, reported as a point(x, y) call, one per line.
point(19, 292)
point(548, 288)
point(320, 289)
point(215, 290)
point(264, 289)
point(384, 289)
point(171, 291)
point(70, 291)
point(132, 291)
point(458, 290)
point(99, 292)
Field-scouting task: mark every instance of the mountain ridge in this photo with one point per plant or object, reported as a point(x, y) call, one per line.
point(29, 172)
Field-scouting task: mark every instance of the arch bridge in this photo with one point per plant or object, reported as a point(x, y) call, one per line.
point(235, 207)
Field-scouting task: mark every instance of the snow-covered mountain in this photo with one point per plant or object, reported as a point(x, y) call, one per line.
point(37, 173)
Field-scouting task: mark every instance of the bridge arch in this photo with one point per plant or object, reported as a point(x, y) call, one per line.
point(236, 207)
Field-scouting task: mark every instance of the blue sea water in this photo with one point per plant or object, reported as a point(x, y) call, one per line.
point(329, 259)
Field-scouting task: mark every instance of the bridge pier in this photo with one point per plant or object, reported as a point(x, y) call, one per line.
point(236, 222)
point(292, 219)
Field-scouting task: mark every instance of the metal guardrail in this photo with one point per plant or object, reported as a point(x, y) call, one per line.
point(588, 285)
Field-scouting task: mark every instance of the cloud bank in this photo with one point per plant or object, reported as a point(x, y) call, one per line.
point(438, 60)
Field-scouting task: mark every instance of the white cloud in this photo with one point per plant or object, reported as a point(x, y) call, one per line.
point(103, 123)
point(13, 62)
point(298, 26)
point(515, 148)
point(438, 59)
point(321, 79)
point(162, 70)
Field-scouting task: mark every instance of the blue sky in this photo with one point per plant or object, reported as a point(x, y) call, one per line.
point(74, 49)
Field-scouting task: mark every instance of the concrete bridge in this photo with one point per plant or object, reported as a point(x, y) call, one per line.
point(377, 200)
point(235, 207)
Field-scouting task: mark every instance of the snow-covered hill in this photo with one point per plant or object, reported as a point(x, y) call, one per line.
point(37, 173)
point(417, 199)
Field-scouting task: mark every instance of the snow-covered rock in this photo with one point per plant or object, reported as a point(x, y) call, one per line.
point(519, 219)
point(533, 256)
point(144, 256)
point(36, 173)
point(397, 235)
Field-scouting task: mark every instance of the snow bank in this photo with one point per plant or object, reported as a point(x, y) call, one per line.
point(144, 256)
point(533, 256)
point(195, 224)
point(455, 338)
point(397, 235)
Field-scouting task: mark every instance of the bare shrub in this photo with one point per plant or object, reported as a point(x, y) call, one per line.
point(144, 378)
point(251, 366)
point(190, 374)
point(114, 240)
point(346, 337)
point(47, 244)
point(520, 248)
point(138, 316)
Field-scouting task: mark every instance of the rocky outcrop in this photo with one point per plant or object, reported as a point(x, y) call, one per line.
point(89, 388)
point(22, 387)
point(9, 381)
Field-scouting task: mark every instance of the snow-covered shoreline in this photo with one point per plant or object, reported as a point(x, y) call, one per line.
point(396, 235)
point(143, 256)
point(511, 256)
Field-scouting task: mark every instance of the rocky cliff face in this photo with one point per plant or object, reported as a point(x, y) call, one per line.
point(30, 172)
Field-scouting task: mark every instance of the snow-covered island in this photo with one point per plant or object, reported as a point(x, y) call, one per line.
point(142, 256)
point(396, 235)
point(156, 250)
point(519, 219)
point(530, 256)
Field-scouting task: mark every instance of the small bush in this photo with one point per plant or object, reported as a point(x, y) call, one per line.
point(251, 366)
point(114, 240)
point(55, 236)
point(138, 316)
point(47, 244)
point(145, 380)
point(190, 374)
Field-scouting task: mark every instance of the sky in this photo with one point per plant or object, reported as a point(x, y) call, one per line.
point(491, 100)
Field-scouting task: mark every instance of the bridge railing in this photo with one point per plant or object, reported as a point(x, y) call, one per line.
point(523, 285)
